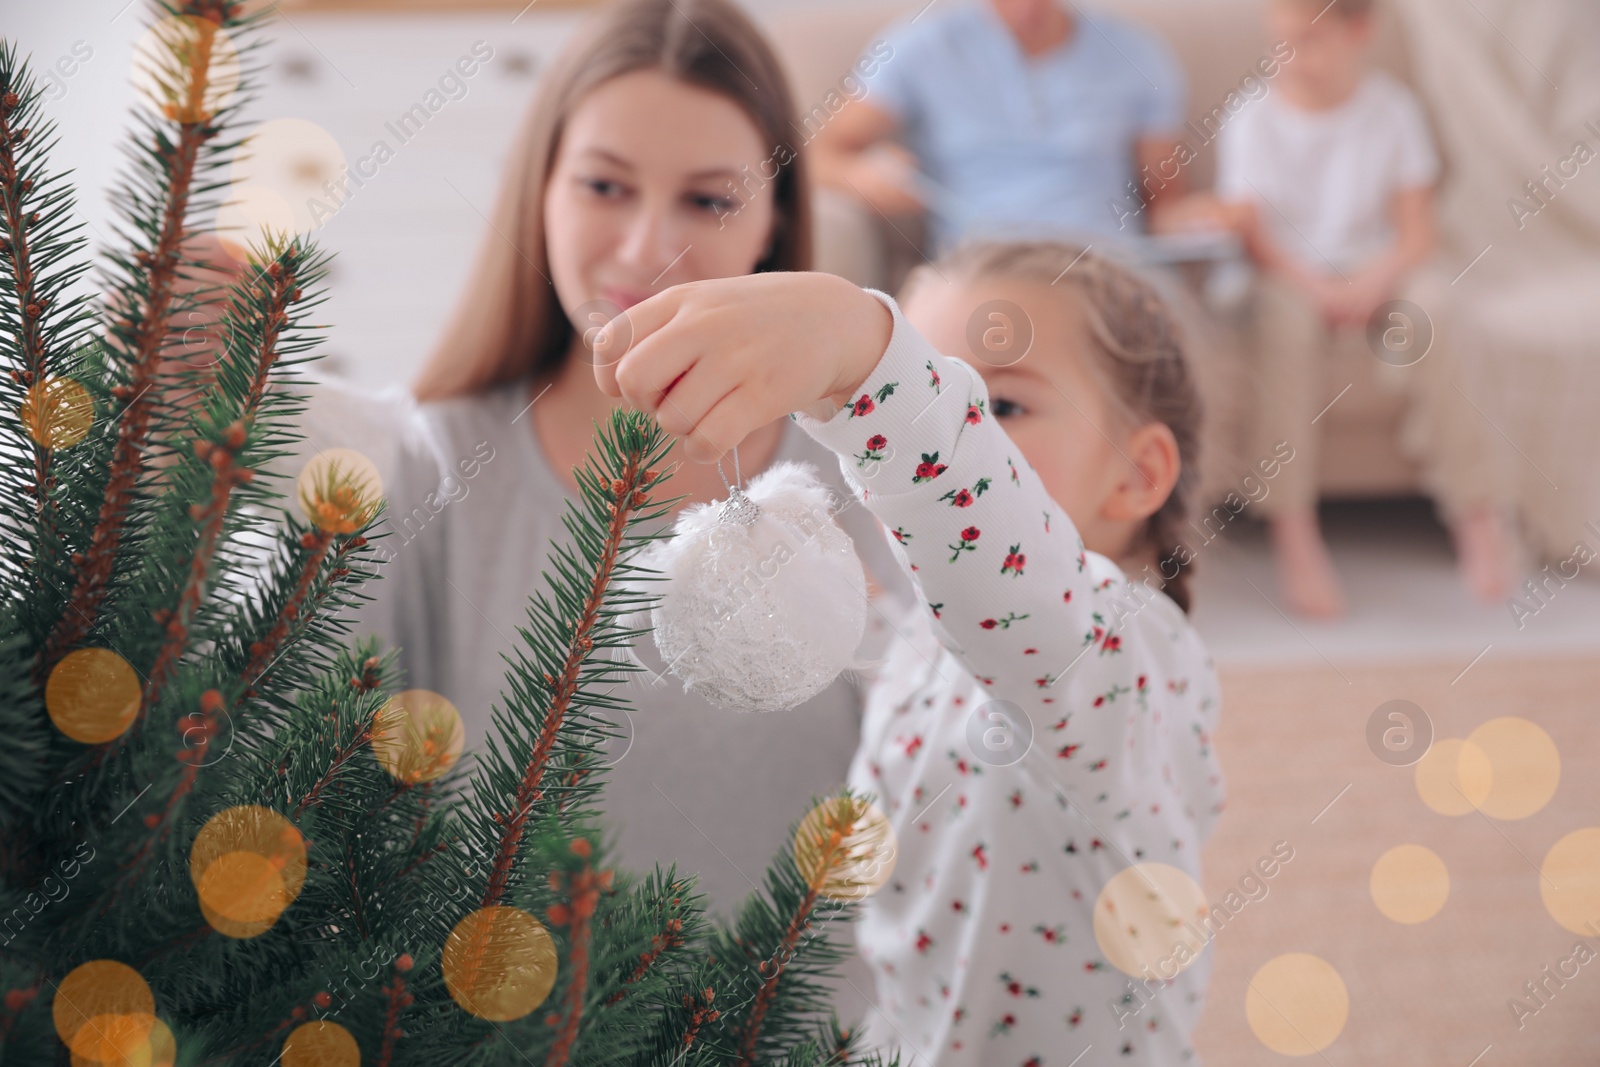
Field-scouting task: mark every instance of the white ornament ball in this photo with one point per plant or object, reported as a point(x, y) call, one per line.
point(760, 608)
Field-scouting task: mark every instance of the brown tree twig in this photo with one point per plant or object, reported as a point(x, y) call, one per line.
point(628, 495)
point(212, 514)
point(264, 653)
point(829, 861)
point(16, 243)
point(396, 1000)
point(148, 328)
point(584, 888)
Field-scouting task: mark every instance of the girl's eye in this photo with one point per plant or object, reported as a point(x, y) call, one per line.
point(1005, 409)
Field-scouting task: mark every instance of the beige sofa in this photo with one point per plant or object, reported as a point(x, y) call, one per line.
point(1218, 42)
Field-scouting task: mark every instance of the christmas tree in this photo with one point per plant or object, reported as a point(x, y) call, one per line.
point(227, 835)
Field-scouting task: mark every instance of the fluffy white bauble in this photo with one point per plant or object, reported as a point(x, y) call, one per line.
point(763, 616)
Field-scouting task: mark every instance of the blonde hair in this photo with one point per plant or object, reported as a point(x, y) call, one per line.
point(1139, 357)
point(509, 322)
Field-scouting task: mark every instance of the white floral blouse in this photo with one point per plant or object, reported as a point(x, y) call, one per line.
point(1040, 726)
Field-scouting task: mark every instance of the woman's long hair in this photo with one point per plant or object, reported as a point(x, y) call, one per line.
point(509, 322)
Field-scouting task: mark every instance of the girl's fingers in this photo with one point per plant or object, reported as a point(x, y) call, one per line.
point(689, 399)
point(724, 427)
point(613, 342)
point(652, 365)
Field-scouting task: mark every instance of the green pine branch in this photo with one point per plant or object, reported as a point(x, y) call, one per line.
point(163, 534)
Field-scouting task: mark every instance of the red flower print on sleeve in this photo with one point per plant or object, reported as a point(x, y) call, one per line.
point(929, 469)
point(864, 404)
point(933, 376)
point(975, 413)
point(875, 446)
point(963, 498)
point(969, 535)
point(959, 498)
point(1014, 562)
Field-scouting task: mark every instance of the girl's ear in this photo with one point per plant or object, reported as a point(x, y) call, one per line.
point(1146, 485)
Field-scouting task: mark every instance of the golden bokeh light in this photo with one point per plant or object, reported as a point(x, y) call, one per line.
point(339, 490)
point(1148, 920)
point(1569, 881)
point(92, 695)
point(248, 864)
point(1525, 767)
point(1410, 883)
point(127, 1041)
point(417, 735)
point(252, 217)
point(102, 1007)
point(1454, 777)
point(169, 51)
point(859, 862)
point(499, 963)
point(57, 412)
point(298, 160)
point(242, 894)
point(320, 1044)
point(1297, 1004)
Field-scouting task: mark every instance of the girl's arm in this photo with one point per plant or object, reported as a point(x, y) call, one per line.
point(1000, 565)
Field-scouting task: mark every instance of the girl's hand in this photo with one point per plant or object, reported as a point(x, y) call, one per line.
point(713, 360)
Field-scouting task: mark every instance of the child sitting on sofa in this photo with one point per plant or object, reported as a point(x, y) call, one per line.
point(1330, 179)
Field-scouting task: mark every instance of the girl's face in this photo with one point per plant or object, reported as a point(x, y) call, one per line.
point(1108, 477)
point(639, 196)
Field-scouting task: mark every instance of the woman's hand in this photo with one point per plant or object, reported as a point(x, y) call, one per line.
point(713, 360)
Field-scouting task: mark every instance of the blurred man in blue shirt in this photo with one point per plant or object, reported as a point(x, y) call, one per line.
point(1024, 118)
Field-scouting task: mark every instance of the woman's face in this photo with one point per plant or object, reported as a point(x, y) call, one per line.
point(648, 190)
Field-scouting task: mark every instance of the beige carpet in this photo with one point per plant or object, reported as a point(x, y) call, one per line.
point(1422, 994)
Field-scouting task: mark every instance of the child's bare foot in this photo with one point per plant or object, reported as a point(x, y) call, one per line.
point(1483, 554)
point(1306, 577)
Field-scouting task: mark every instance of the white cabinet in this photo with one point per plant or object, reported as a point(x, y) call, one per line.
point(405, 236)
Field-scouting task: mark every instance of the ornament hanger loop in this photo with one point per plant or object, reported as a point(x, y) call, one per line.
point(738, 479)
point(738, 508)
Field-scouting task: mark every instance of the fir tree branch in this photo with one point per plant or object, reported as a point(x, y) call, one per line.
point(211, 704)
point(341, 758)
point(583, 896)
point(267, 326)
point(670, 937)
point(264, 653)
point(15, 249)
point(831, 857)
point(140, 336)
point(211, 514)
point(42, 330)
point(700, 1014)
point(395, 1000)
point(629, 493)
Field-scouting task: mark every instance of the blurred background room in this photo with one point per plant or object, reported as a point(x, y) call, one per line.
point(1428, 896)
